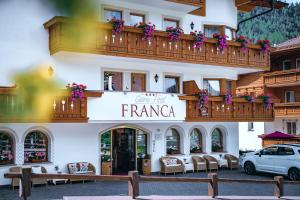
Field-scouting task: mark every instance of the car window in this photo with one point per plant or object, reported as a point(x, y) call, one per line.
point(285, 151)
point(270, 151)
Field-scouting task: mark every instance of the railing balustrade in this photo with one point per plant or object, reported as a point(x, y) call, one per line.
point(130, 43)
point(282, 78)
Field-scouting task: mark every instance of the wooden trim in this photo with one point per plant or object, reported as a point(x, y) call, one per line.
point(139, 15)
point(172, 20)
point(113, 10)
point(143, 83)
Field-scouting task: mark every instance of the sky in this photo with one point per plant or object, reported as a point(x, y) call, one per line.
point(292, 1)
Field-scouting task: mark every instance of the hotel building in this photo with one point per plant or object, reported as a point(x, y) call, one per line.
point(140, 94)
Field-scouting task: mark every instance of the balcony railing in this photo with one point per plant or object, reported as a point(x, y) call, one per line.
point(63, 109)
point(282, 78)
point(63, 34)
point(292, 110)
point(217, 110)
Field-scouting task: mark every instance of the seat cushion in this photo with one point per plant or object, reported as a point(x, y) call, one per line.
point(234, 161)
point(83, 166)
point(201, 163)
point(73, 168)
point(173, 165)
point(37, 170)
point(212, 162)
point(171, 161)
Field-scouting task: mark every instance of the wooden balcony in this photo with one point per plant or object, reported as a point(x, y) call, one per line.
point(130, 43)
point(240, 110)
point(282, 78)
point(290, 110)
point(63, 109)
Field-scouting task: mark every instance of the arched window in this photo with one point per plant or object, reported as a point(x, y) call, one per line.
point(217, 144)
point(173, 141)
point(196, 143)
point(36, 147)
point(6, 149)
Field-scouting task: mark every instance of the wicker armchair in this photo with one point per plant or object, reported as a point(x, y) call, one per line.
point(199, 163)
point(211, 162)
point(233, 162)
point(15, 181)
point(40, 181)
point(90, 170)
point(166, 167)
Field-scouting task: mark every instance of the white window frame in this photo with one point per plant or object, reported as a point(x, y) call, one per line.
point(292, 122)
point(170, 18)
point(283, 64)
point(286, 101)
point(250, 126)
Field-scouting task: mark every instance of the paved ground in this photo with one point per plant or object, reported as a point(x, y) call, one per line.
point(160, 188)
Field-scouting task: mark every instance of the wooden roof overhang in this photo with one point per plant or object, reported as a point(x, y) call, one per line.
point(200, 4)
point(249, 5)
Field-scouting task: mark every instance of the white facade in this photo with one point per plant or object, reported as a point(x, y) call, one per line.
point(24, 43)
point(248, 137)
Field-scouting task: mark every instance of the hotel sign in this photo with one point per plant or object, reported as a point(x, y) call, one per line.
point(137, 107)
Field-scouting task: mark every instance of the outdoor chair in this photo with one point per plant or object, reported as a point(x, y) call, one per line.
point(39, 170)
point(15, 181)
point(171, 165)
point(199, 163)
point(211, 162)
point(81, 168)
point(233, 162)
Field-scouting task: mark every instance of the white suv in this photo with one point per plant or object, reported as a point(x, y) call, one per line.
point(281, 159)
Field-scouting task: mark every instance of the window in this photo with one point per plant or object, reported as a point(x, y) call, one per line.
point(285, 151)
point(298, 63)
point(230, 32)
point(141, 144)
point(136, 18)
point(287, 64)
point(210, 30)
point(172, 84)
point(113, 81)
point(289, 96)
point(217, 141)
point(196, 144)
point(173, 141)
point(36, 147)
point(170, 23)
point(291, 128)
point(270, 151)
point(212, 86)
point(250, 126)
point(110, 14)
point(6, 149)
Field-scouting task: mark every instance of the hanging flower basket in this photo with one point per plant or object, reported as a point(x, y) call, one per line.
point(199, 39)
point(267, 101)
point(248, 98)
point(202, 98)
point(228, 99)
point(222, 41)
point(77, 91)
point(118, 26)
point(148, 30)
point(174, 33)
point(244, 42)
point(264, 45)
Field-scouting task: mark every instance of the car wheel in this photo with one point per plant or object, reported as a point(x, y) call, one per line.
point(294, 174)
point(249, 168)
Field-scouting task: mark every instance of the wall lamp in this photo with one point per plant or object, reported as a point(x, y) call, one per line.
point(156, 78)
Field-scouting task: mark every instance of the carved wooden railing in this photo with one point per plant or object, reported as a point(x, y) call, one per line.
point(291, 110)
point(282, 78)
point(64, 109)
point(217, 110)
point(64, 35)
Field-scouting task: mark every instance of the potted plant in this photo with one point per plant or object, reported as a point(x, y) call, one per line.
point(228, 98)
point(196, 149)
point(148, 30)
point(221, 41)
point(174, 33)
point(199, 39)
point(77, 91)
point(147, 165)
point(244, 42)
point(264, 45)
point(118, 26)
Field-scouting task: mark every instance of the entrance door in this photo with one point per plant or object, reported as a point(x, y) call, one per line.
point(138, 82)
point(124, 158)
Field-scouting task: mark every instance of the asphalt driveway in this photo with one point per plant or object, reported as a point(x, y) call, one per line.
point(157, 188)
